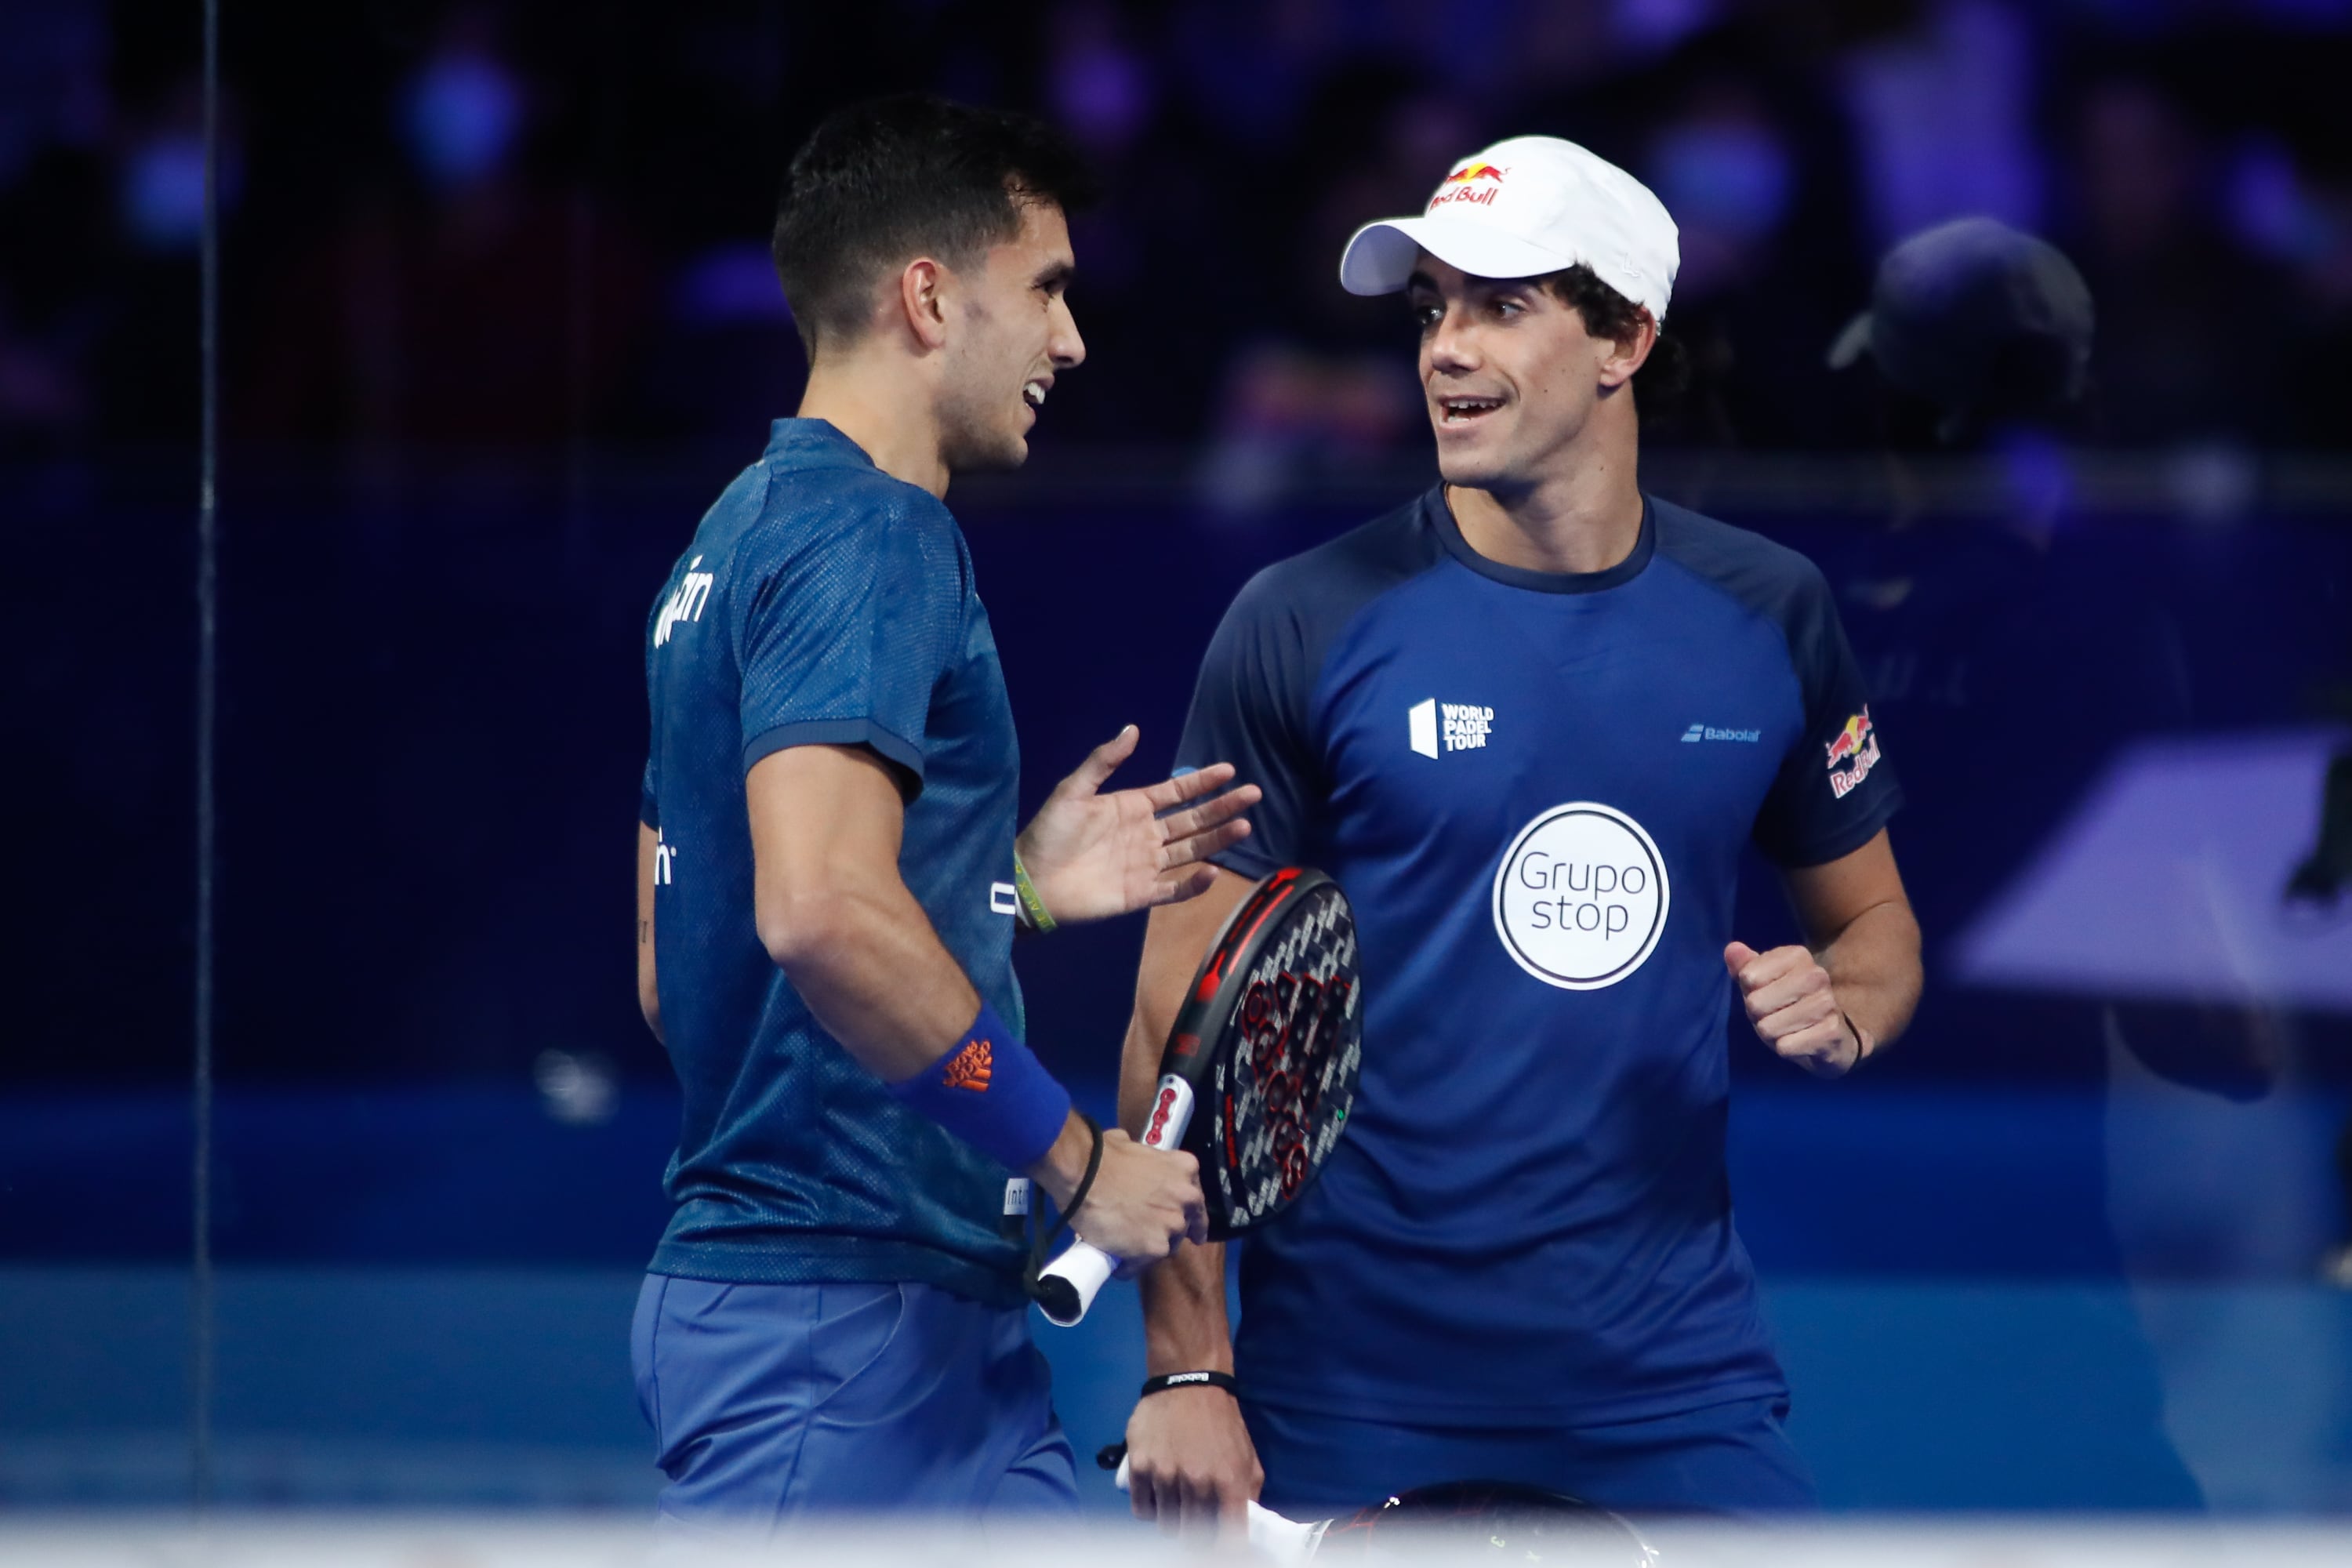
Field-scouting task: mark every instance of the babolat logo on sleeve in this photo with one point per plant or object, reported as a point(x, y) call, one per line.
point(1580, 897)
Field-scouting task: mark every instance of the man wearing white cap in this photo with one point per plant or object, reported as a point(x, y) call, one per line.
point(1530, 720)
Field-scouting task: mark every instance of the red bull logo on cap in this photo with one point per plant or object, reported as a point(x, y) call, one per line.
point(1473, 182)
point(1851, 754)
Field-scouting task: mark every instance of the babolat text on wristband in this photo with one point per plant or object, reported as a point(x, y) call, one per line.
point(992, 1092)
point(1169, 1379)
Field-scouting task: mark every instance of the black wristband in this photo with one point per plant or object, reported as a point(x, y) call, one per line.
point(1162, 1384)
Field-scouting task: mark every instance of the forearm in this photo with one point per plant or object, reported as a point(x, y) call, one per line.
point(880, 981)
point(836, 916)
point(1184, 1324)
point(874, 971)
point(1873, 969)
point(1185, 1327)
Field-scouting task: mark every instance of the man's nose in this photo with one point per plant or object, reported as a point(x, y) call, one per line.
point(1068, 350)
point(1451, 346)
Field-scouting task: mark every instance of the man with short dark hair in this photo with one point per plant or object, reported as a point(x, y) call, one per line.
point(1529, 722)
point(828, 877)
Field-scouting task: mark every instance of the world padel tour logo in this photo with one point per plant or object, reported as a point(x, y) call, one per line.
point(1580, 897)
point(1475, 182)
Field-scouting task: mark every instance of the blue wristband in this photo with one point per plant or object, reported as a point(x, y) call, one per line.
point(992, 1092)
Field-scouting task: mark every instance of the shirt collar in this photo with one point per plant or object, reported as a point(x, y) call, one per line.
point(1441, 518)
point(815, 441)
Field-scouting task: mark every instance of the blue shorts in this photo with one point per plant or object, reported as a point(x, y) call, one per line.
point(1730, 1458)
point(768, 1401)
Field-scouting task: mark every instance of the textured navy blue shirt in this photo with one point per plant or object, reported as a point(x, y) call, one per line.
point(822, 603)
point(1536, 788)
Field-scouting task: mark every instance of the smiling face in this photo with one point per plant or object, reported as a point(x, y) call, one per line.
point(1012, 333)
point(1512, 377)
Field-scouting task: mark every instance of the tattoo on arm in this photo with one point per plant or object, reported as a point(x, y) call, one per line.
point(643, 926)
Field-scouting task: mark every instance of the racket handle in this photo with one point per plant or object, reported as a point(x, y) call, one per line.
point(1066, 1287)
point(1284, 1539)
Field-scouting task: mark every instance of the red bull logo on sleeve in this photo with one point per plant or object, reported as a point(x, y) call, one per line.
point(1852, 754)
point(1473, 182)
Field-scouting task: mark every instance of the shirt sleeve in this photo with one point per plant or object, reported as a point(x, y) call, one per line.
point(1835, 789)
point(649, 799)
point(844, 632)
point(1250, 707)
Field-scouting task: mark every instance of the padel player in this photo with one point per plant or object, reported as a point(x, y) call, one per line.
point(1529, 722)
point(829, 874)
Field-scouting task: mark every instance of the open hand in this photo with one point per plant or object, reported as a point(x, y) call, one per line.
point(1091, 856)
point(1795, 1009)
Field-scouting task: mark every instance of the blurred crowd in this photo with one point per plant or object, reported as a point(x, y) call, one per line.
point(531, 224)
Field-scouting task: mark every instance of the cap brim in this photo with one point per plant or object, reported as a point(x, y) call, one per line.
point(1380, 258)
point(1849, 346)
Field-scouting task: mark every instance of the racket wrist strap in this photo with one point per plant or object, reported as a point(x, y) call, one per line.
point(1087, 1181)
point(1167, 1381)
point(992, 1091)
point(1042, 1240)
point(1033, 913)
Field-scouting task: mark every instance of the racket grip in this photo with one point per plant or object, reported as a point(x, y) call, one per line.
point(1284, 1539)
point(1066, 1287)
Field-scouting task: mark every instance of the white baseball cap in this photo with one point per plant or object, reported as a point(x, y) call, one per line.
point(1524, 207)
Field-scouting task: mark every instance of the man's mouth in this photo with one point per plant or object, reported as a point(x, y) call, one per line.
point(1462, 410)
point(1033, 393)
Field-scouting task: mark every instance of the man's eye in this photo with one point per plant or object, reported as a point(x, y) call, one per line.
point(1425, 317)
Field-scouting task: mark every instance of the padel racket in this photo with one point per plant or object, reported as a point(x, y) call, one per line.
point(1259, 1072)
point(1524, 1523)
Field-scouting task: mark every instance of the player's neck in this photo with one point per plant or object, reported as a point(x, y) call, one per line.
point(880, 408)
point(1582, 516)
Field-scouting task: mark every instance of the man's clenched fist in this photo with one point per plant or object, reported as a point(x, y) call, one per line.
point(1794, 1009)
point(1190, 1464)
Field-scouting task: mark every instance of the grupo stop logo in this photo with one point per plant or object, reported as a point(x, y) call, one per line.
point(1580, 897)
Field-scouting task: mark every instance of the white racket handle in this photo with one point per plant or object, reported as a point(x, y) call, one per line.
point(1284, 1539)
point(1068, 1284)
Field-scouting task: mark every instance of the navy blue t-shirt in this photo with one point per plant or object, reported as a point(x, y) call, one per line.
point(822, 603)
point(1536, 788)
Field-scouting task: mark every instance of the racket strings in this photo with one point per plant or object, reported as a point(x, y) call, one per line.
point(1296, 1029)
point(1297, 1056)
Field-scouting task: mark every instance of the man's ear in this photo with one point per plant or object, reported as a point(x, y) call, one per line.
point(1628, 354)
point(922, 301)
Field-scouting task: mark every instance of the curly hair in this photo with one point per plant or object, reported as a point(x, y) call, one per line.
point(1608, 314)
